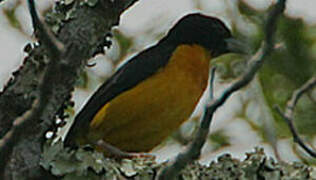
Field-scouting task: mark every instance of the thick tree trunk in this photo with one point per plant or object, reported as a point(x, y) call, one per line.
point(82, 31)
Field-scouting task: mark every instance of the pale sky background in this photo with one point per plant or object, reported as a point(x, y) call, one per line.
point(157, 16)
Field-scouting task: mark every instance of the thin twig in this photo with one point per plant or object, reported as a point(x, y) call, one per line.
point(297, 95)
point(212, 78)
point(288, 115)
point(194, 150)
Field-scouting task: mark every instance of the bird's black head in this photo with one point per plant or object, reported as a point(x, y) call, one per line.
point(209, 32)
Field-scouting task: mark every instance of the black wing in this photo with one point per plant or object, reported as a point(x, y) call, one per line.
point(126, 77)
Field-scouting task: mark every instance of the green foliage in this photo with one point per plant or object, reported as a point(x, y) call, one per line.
point(83, 80)
point(287, 70)
point(11, 17)
point(291, 64)
point(124, 42)
point(230, 66)
point(255, 20)
point(248, 11)
point(219, 139)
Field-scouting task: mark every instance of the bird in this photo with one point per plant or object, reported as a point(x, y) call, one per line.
point(154, 92)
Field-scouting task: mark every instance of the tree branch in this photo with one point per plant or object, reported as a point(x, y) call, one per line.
point(22, 123)
point(49, 74)
point(288, 115)
point(194, 150)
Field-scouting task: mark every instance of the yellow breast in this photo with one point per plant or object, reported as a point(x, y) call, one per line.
point(142, 117)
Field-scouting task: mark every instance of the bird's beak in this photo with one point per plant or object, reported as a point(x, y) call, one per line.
point(237, 46)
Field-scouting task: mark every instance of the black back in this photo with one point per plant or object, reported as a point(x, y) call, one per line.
point(129, 75)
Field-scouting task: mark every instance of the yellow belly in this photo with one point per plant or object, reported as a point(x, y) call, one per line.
point(141, 118)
